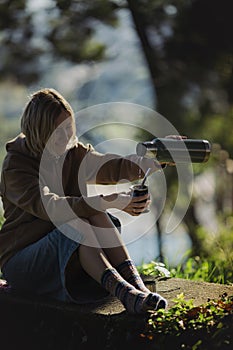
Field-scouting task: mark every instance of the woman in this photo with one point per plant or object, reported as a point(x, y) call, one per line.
point(53, 233)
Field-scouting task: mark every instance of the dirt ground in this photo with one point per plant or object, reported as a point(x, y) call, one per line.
point(199, 292)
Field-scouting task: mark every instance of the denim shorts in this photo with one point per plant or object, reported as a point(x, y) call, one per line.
point(39, 269)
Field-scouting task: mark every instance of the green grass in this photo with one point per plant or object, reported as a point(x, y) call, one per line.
point(203, 269)
point(199, 269)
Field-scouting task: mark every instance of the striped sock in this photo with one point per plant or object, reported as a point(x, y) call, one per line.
point(154, 301)
point(129, 272)
point(133, 300)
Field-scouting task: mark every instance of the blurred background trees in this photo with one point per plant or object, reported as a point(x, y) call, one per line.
point(187, 49)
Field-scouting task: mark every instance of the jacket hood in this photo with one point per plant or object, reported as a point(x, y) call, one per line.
point(18, 145)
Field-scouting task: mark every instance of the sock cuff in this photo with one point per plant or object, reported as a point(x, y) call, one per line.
point(128, 262)
point(106, 274)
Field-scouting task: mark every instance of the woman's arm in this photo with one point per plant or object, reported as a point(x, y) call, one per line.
point(22, 188)
point(112, 168)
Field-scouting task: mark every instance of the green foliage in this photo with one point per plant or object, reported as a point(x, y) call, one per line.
point(9, 129)
point(68, 33)
point(199, 269)
point(155, 269)
point(191, 62)
point(185, 326)
point(19, 54)
point(213, 264)
point(217, 128)
point(204, 270)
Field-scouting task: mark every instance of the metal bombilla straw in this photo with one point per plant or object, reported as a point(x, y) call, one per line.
point(145, 177)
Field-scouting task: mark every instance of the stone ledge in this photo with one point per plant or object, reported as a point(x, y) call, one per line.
point(199, 292)
point(39, 324)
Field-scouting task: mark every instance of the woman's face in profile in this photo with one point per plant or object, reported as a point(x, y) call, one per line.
point(59, 140)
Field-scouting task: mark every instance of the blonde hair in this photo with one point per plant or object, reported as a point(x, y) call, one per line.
point(39, 116)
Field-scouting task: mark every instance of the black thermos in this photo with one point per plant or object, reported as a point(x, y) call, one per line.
point(175, 151)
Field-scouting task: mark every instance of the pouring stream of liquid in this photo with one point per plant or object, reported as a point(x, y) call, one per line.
point(145, 177)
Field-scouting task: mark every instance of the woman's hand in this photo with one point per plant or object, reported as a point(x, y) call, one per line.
point(125, 202)
point(176, 137)
point(137, 205)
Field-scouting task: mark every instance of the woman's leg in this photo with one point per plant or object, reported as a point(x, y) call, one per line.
point(100, 266)
point(96, 264)
point(92, 256)
point(109, 238)
point(118, 253)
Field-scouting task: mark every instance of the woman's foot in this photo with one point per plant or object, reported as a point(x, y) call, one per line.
point(135, 301)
